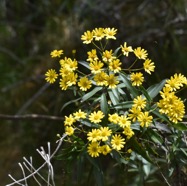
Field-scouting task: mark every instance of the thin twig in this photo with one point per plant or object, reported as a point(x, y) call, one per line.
point(30, 117)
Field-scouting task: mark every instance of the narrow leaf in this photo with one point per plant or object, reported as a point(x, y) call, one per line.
point(104, 104)
point(69, 102)
point(91, 93)
point(128, 84)
point(113, 98)
point(155, 89)
point(180, 126)
point(85, 64)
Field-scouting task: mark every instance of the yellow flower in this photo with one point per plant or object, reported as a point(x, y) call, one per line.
point(92, 55)
point(96, 67)
point(134, 113)
point(139, 102)
point(171, 105)
point(71, 65)
point(117, 142)
point(176, 82)
point(113, 118)
point(98, 33)
point(148, 66)
point(128, 132)
point(80, 114)
point(115, 65)
point(112, 81)
point(105, 132)
point(140, 53)
point(68, 80)
point(177, 111)
point(105, 149)
point(137, 78)
point(63, 71)
point(145, 119)
point(101, 79)
point(84, 84)
point(69, 131)
point(94, 149)
point(87, 37)
point(108, 56)
point(69, 120)
point(124, 122)
point(94, 135)
point(95, 117)
point(125, 50)
point(51, 76)
point(56, 53)
point(110, 33)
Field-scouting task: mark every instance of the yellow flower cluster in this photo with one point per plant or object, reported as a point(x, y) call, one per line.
point(110, 129)
point(170, 104)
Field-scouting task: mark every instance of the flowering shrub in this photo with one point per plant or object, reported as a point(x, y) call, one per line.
point(118, 116)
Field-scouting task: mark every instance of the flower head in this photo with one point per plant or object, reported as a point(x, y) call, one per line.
point(105, 149)
point(108, 56)
point(140, 53)
point(69, 130)
point(137, 78)
point(79, 114)
point(94, 135)
point(96, 67)
point(124, 121)
point(95, 117)
point(56, 53)
point(117, 142)
point(69, 120)
point(125, 50)
point(134, 113)
point(114, 118)
point(139, 102)
point(94, 149)
point(148, 66)
point(51, 76)
point(105, 132)
point(176, 82)
point(98, 33)
point(87, 37)
point(145, 119)
point(84, 84)
point(112, 81)
point(92, 55)
point(115, 65)
point(110, 33)
point(101, 79)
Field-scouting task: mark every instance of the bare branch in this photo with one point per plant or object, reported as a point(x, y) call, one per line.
point(30, 117)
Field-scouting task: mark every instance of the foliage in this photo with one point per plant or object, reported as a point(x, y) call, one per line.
point(118, 117)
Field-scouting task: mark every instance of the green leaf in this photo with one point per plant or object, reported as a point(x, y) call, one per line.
point(145, 93)
point(140, 150)
point(85, 64)
point(113, 98)
point(129, 86)
point(161, 116)
point(116, 51)
point(155, 89)
point(184, 151)
point(155, 137)
point(126, 104)
point(104, 104)
point(91, 93)
point(69, 102)
point(180, 126)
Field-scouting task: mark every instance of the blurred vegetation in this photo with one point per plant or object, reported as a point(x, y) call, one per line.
point(30, 29)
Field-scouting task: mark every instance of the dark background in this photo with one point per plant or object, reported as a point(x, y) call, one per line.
point(30, 29)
